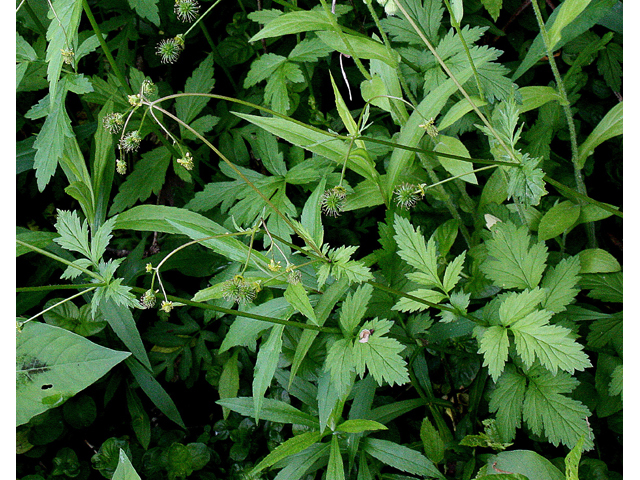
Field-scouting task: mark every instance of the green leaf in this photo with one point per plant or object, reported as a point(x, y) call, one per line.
point(457, 8)
point(294, 22)
point(309, 50)
point(507, 400)
point(290, 447)
point(535, 96)
point(272, 410)
point(152, 388)
point(512, 262)
point(100, 239)
point(50, 143)
point(560, 284)
point(74, 236)
point(457, 168)
point(558, 219)
point(147, 178)
point(345, 114)
point(615, 387)
point(401, 457)
point(125, 470)
point(359, 425)
point(553, 345)
point(609, 127)
point(61, 34)
point(262, 68)
point(412, 249)
point(494, 345)
point(340, 266)
point(380, 355)
point(200, 81)
point(426, 13)
point(569, 10)
point(297, 296)
point(595, 10)
point(139, 418)
point(354, 307)
point(53, 364)
point(523, 463)
point(311, 217)
point(605, 330)
point(563, 419)
point(335, 468)
point(229, 381)
point(596, 260)
point(340, 364)
point(146, 9)
point(452, 272)
point(121, 321)
point(572, 461)
point(266, 364)
point(36, 238)
point(493, 7)
point(409, 305)
point(604, 286)
point(609, 65)
point(431, 441)
point(276, 92)
point(361, 47)
point(72, 318)
point(516, 306)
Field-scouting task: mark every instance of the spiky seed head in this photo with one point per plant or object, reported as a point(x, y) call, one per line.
point(131, 141)
point(332, 201)
point(67, 55)
point(295, 277)
point(169, 50)
point(407, 195)
point(186, 10)
point(238, 290)
point(135, 100)
point(113, 122)
point(148, 299)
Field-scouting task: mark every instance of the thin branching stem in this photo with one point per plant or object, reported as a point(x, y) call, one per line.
point(61, 302)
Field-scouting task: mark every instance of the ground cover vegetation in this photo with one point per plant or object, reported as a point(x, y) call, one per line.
point(312, 240)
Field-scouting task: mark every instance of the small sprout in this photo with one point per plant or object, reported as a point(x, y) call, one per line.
point(431, 128)
point(332, 201)
point(169, 49)
point(407, 195)
point(121, 166)
point(238, 290)
point(148, 299)
point(364, 335)
point(187, 161)
point(166, 306)
point(131, 141)
point(67, 55)
point(135, 100)
point(113, 122)
point(186, 10)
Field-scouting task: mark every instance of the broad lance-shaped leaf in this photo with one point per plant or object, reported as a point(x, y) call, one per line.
point(335, 468)
point(266, 364)
point(401, 457)
point(200, 81)
point(341, 364)
point(512, 262)
point(121, 321)
point(297, 296)
point(290, 447)
point(610, 126)
point(61, 35)
point(146, 9)
point(125, 470)
point(272, 410)
point(53, 364)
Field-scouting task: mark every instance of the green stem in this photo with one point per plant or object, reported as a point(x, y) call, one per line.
point(193, 25)
point(344, 39)
point(218, 58)
point(79, 294)
point(59, 259)
point(569, 192)
point(566, 107)
point(50, 288)
point(456, 25)
point(235, 169)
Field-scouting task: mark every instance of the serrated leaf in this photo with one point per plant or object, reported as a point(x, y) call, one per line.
point(53, 364)
point(412, 249)
point(409, 305)
point(452, 272)
point(558, 219)
point(200, 81)
point(354, 308)
point(74, 236)
point(426, 13)
point(560, 284)
point(146, 179)
point(493, 7)
point(297, 296)
point(335, 467)
point(381, 355)
point(340, 363)
point(276, 92)
point(72, 318)
point(146, 9)
point(494, 346)
point(359, 425)
point(553, 345)
point(603, 286)
point(507, 400)
point(609, 65)
point(431, 441)
point(100, 239)
point(516, 306)
point(527, 463)
point(309, 50)
point(401, 457)
point(512, 262)
point(526, 182)
point(341, 266)
point(615, 387)
point(262, 68)
point(605, 330)
point(62, 29)
point(545, 408)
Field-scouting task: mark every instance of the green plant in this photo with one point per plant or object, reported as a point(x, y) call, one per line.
point(385, 279)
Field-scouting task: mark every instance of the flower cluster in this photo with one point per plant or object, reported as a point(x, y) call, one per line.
point(121, 166)
point(239, 290)
point(186, 10)
point(407, 195)
point(131, 141)
point(148, 299)
point(431, 128)
point(67, 55)
point(186, 161)
point(113, 122)
point(332, 201)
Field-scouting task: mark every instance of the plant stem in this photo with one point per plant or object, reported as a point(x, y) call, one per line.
point(79, 294)
point(566, 107)
point(218, 58)
point(456, 25)
point(59, 259)
point(201, 17)
point(50, 288)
